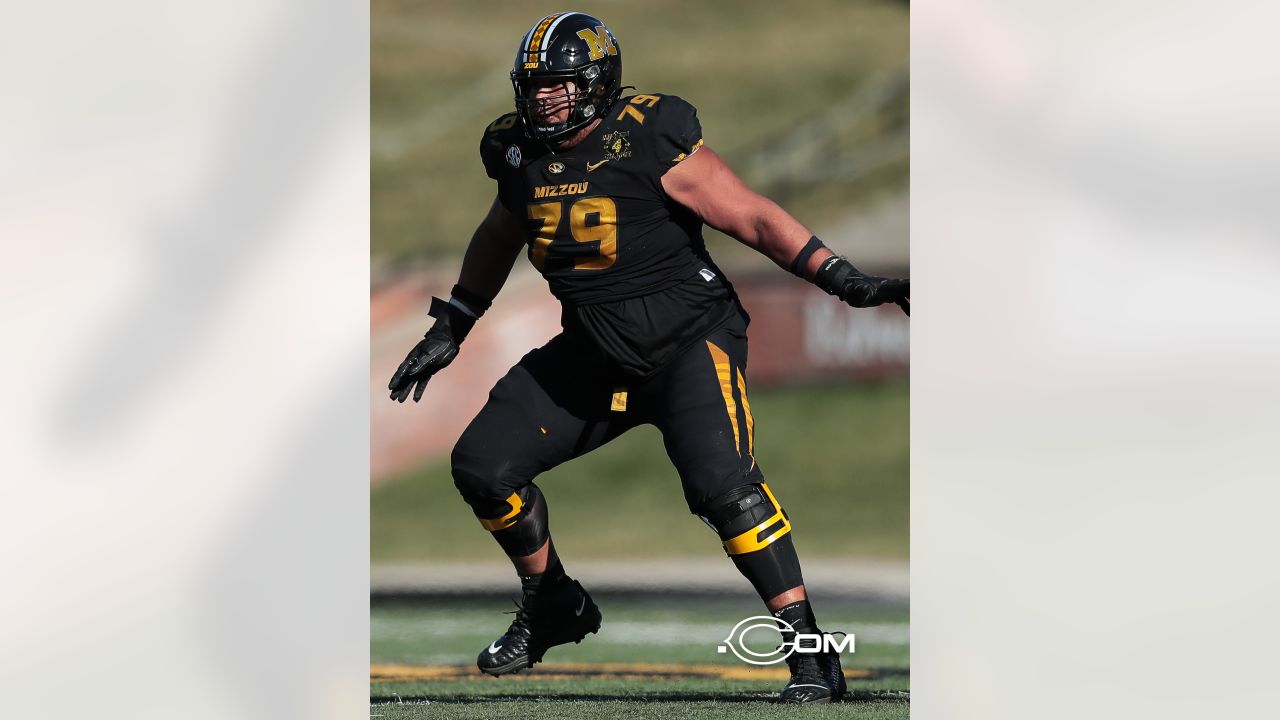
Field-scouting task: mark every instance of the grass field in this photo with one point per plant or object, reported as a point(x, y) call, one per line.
point(650, 660)
point(835, 455)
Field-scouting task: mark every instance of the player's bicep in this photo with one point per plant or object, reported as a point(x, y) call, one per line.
point(704, 184)
point(501, 228)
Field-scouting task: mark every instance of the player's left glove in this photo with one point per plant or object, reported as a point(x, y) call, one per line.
point(837, 276)
point(433, 353)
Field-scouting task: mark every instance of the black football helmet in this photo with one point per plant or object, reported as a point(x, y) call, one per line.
point(570, 46)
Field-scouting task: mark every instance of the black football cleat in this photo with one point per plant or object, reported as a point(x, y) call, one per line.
point(816, 679)
point(542, 622)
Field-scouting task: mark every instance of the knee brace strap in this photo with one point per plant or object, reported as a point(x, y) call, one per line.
point(748, 518)
point(506, 521)
point(523, 530)
point(757, 537)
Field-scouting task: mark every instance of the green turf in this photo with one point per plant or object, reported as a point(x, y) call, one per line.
point(835, 455)
point(633, 631)
point(730, 707)
point(870, 709)
point(439, 76)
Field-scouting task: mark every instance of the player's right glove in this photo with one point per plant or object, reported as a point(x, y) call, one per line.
point(837, 276)
point(433, 353)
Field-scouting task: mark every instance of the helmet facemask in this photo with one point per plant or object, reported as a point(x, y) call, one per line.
point(587, 101)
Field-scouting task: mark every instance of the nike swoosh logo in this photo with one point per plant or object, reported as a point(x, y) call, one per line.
point(583, 606)
point(494, 648)
point(593, 166)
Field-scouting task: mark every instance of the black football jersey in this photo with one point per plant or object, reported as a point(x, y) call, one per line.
point(628, 263)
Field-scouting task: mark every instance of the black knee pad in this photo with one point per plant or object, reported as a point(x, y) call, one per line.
point(522, 529)
point(484, 481)
point(505, 502)
point(757, 535)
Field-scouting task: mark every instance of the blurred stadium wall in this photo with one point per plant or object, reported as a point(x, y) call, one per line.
point(811, 114)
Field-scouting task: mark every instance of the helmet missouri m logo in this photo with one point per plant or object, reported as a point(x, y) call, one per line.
point(598, 42)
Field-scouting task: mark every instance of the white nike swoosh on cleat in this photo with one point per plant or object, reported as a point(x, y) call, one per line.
point(824, 687)
point(578, 612)
point(494, 648)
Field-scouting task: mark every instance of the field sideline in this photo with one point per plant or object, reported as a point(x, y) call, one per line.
point(652, 658)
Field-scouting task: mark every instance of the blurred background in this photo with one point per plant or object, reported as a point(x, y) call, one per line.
point(811, 108)
point(185, 452)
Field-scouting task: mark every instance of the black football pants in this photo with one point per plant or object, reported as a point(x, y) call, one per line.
point(563, 400)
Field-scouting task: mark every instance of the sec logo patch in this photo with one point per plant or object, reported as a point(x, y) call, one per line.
point(555, 168)
point(514, 156)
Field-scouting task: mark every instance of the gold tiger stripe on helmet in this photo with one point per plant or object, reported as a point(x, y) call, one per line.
point(534, 49)
point(750, 541)
point(507, 520)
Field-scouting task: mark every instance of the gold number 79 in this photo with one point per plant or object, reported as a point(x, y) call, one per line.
point(603, 229)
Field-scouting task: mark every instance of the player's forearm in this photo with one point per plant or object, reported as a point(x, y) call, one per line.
point(488, 260)
point(485, 268)
point(773, 232)
point(777, 235)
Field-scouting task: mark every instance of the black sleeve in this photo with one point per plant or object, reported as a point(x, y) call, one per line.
point(678, 134)
point(491, 146)
point(487, 155)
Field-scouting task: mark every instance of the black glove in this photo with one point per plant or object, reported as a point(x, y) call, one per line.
point(837, 276)
point(433, 353)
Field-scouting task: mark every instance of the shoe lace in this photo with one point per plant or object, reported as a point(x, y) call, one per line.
point(804, 668)
point(807, 667)
point(532, 602)
point(523, 614)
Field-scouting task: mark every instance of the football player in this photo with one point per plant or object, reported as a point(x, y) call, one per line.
point(607, 195)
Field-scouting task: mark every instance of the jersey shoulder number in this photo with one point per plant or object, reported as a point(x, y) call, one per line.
point(670, 120)
point(506, 122)
point(501, 145)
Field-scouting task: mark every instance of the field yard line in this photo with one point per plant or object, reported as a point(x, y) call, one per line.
point(640, 632)
point(395, 699)
point(879, 580)
point(399, 672)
